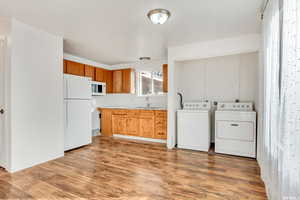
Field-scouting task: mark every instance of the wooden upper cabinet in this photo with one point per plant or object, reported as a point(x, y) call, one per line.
point(100, 74)
point(117, 81)
point(65, 66)
point(165, 78)
point(123, 81)
point(74, 68)
point(109, 81)
point(127, 86)
point(89, 71)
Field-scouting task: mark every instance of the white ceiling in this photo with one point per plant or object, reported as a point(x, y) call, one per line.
point(118, 31)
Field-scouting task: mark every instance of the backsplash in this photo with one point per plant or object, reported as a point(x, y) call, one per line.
point(130, 100)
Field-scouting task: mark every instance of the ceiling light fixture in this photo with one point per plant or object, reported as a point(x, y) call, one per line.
point(159, 16)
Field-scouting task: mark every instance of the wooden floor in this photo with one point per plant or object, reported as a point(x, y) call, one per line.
point(122, 169)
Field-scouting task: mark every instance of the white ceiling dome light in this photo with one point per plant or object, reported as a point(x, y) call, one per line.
point(159, 16)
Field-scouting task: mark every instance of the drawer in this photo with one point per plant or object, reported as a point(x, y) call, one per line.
point(235, 130)
point(119, 112)
point(161, 113)
point(133, 113)
point(161, 134)
point(146, 113)
point(160, 122)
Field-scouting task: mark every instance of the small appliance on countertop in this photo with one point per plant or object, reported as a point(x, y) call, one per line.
point(194, 126)
point(235, 129)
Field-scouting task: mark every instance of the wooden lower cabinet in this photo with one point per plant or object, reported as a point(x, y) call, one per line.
point(119, 124)
point(106, 119)
point(147, 126)
point(141, 123)
point(160, 128)
point(132, 126)
point(160, 125)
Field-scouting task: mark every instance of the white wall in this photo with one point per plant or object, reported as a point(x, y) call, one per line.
point(5, 26)
point(71, 57)
point(36, 97)
point(225, 78)
point(129, 100)
point(201, 50)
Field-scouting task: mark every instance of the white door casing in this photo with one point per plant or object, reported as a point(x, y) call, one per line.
point(2, 102)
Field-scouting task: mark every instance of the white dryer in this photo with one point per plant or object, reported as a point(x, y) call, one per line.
point(193, 126)
point(235, 129)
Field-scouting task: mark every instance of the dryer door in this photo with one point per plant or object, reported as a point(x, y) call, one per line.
point(235, 130)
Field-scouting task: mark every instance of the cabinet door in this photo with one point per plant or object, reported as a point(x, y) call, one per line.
point(75, 68)
point(106, 122)
point(65, 66)
point(99, 74)
point(118, 124)
point(117, 81)
point(89, 71)
point(127, 80)
point(132, 126)
point(109, 81)
point(165, 78)
point(147, 126)
point(160, 128)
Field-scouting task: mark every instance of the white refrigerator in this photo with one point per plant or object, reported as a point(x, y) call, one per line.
point(78, 116)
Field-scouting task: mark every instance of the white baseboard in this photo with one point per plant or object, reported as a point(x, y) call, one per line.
point(140, 138)
point(19, 168)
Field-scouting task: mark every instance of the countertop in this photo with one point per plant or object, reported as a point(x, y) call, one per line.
point(132, 108)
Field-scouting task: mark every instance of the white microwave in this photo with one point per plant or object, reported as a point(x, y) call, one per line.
point(98, 88)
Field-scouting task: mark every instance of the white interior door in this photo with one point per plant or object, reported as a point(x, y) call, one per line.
point(2, 148)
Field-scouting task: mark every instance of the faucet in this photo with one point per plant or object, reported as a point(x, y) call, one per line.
point(148, 103)
point(181, 100)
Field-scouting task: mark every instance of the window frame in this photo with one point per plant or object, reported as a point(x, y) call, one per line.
point(139, 84)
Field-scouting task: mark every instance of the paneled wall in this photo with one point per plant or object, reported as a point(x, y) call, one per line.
point(219, 79)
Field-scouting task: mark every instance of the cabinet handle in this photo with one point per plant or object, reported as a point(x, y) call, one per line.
point(234, 125)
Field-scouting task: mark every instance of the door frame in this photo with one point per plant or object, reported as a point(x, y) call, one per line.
point(3, 141)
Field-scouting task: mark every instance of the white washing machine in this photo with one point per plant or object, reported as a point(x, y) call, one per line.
point(235, 129)
point(193, 126)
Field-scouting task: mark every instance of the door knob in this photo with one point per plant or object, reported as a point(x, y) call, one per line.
point(2, 111)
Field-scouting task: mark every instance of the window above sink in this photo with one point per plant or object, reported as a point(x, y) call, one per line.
point(149, 83)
